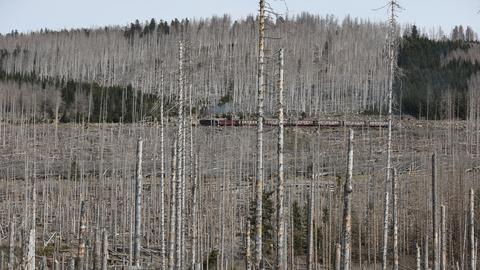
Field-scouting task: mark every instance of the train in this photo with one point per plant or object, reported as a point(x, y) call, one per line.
point(223, 122)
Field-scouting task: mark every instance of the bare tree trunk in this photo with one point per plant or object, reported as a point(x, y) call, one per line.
point(81, 237)
point(472, 229)
point(311, 205)
point(338, 255)
point(32, 233)
point(138, 205)
point(162, 183)
point(425, 254)
point(248, 252)
point(436, 261)
point(105, 250)
point(11, 240)
point(181, 149)
point(385, 232)
point(347, 209)
point(173, 183)
point(259, 178)
point(419, 260)
point(97, 250)
point(395, 220)
point(281, 180)
point(194, 217)
point(443, 246)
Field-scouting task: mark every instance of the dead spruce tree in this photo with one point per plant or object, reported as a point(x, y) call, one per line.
point(82, 230)
point(180, 163)
point(162, 178)
point(471, 219)
point(138, 205)
point(281, 262)
point(393, 6)
point(259, 176)
point(436, 259)
point(104, 250)
point(11, 244)
point(173, 188)
point(310, 230)
point(443, 238)
point(346, 253)
point(395, 219)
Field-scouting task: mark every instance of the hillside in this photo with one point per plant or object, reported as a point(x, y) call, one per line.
point(331, 68)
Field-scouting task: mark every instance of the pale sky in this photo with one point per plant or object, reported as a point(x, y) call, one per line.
point(29, 15)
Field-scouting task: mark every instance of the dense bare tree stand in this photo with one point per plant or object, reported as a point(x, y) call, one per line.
point(346, 254)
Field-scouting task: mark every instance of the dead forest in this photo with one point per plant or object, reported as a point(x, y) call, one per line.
point(103, 164)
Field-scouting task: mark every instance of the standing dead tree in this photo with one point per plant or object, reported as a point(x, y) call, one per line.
point(173, 188)
point(346, 253)
point(180, 163)
point(138, 205)
point(395, 219)
point(436, 260)
point(471, 220)
point(443, 239)
point(281, 265)
point(310, 231)
point(259, 178)
point(81, 236)
point(393, 6)
point(11, 250)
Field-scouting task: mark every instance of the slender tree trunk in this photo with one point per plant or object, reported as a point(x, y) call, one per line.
point(347, 210)
point(32, 233)
point(105, 250)
point(173, 188)
point(419, 260)
point(280, 181)
point(259, 176)
point(385, 232)
point(472, 229)
point(194, 217)
point(181, 149)
point(97, 251)
point(443, 246)
point(338, 256)
point(81, 237)
point(311, 205)
point(395, 220)
point(138, 205)
point(11, 251)
point(248, 252)
point(162, 183)
point(436, 259)
point(425, 254)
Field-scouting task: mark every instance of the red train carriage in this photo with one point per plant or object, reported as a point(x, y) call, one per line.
point(328, 123)
point(380, 124)
point(354, 124)
point(228, 122)
point(248, 123)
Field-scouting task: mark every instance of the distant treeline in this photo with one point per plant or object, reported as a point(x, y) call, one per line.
point(432, 85)
point(81, 101)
